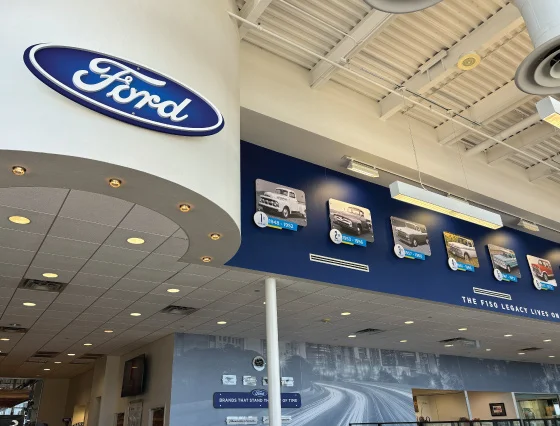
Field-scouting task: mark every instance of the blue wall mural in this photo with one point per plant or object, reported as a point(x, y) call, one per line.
point(338, 384)
point(287, 253)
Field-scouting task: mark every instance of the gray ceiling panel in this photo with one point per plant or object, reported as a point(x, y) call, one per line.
point(66, 247)
point(146, 220)
point(107, 253)
point(95, 208)
point(42, 200)
point(80, 230)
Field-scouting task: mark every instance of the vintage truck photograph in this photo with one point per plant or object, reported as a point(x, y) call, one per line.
point(461, 249)
point(504, 260)
point(281, 202)
point(411, 235)
point(351, 220)
point(543, 275)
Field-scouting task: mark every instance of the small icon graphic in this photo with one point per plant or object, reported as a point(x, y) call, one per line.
point(452, 264)
point(336, 236)
point(399, 251)
point(498, 275)
point(261, 219)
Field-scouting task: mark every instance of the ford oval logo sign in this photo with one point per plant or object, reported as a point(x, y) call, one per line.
point(259, 393)
point(123, 90)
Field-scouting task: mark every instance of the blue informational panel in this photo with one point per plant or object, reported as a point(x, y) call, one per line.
point(253, 400)
point(288, 253)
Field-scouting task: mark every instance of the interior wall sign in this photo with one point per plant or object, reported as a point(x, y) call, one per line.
point(123, 90)
point(350, 224)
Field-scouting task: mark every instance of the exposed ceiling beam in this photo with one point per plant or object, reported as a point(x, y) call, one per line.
point(497, 104)
point(252, 11)
point(541, 171)
point(490, 32)
point(529, 137)
point(351, 44)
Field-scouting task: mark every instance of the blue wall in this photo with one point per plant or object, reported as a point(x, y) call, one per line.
point(287, 253)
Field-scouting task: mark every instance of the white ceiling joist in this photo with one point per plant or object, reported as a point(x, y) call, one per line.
point(541, 171)
point(502, 101)
point(369, 27)
point(529, 137)
point(252, 11)
point(490, 32)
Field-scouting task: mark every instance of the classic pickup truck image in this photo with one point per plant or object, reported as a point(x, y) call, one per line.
point(413, 234)
point(542, 269)
point(282, 201)
point(463, 248)
point(505, 261)
point(352, 219)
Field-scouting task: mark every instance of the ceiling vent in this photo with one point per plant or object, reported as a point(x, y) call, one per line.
point(539, 73)
point(13, 330)
point(531, 349)
point(36, 361)
point(178, 310)
point(368, 332)
point(91, 356)
point(461, 341)
point(44, 354)
point(401, 6)
point(40, 285)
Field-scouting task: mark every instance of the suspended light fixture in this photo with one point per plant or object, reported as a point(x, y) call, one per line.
point(442, 204)
point(401, 6)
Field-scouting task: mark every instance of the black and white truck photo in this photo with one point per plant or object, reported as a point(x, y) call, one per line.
point(281, 202)
point(351, 219)
point(411, 235)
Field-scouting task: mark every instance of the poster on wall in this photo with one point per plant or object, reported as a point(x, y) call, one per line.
point(543, 275)
point(411, 239)
point(461, 251)
point(350, 224)
point(279, 206)
point(505, 263)
point(134, 413)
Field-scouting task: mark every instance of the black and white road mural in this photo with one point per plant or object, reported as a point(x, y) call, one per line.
point(338, 385)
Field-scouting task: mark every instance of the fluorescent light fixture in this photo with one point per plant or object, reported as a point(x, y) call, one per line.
point(362, 168)
point(445, 205)
point(549, 111)
point(528, 225)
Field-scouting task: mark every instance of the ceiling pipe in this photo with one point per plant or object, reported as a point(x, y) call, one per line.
point(539, 73)
point(507, 133)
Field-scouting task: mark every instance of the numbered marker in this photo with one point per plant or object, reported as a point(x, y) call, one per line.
point(498, 275)
point(399, 251)
point(336, 236)
point(537, 284)
point(261, 219)
point(452, 264)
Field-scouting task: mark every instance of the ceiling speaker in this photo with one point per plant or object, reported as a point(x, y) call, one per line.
point(539, 73)
point(401, 6)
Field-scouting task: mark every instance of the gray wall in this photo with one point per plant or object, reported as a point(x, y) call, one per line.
point(338, 384)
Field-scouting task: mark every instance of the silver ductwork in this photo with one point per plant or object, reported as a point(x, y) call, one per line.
point(401, 6)
point(539, 73)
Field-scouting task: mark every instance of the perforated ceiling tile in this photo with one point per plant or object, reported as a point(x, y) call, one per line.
point(14, 271)
point(135, 285)
point(118, 298)
point(34, 273)
point(18, 257)
point(207, 294)
point(119, 237)
point(126, 256)
point(51, 261)
point(8, 283)
point(224, 285)
point(20, 239)
point(81, 290)
point(245, 277)
point(180, 234)
point(34, 295)
point(39, 222)
point(66, 247)
point(42, 200)
point(80, 230)
point(74, 299)
point(205, 271)
point(95, 208)
point(190, 280)
point(152, 275)
point(146, 220)
point(106, 268)
point(93, 280)
point(173, 247)
point(162, 262)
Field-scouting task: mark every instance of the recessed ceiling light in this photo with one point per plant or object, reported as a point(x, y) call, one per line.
point(206, 259)
point(488, 350)
point(19, 170)
point(552, 356)
point(404, 341)
point(108, 331)
point(449, 346)
point(29, 304)
point(345, 314)
point(19, 220)
point(5, 339)
point(508, 335)
point(135, 241)
point(46, 369)
point(115, 183)
point(547, 340)
point(58, 362)
point(222, 322)
point(50, 275)
point(352, 336)
point(173, 290)
point(88, 344)
point(135, 314)
point(71, 354)
point(185, 208)
point(409, 322)
point(521, 353)
point(463, 329)
point(15, 324)
point(215, 236)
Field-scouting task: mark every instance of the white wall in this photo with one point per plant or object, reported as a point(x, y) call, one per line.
point(480, 404)
point(79, 397)
point(443, 407)
point(52, 406)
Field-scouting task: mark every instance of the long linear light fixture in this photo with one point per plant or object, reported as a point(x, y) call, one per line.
point(442, 204)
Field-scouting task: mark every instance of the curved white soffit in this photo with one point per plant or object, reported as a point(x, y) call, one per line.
point(152, 192)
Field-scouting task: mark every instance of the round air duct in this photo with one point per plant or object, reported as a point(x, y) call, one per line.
point(539, 73)
point(401, 6)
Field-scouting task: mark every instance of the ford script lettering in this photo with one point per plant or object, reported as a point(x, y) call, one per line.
point(123, 90)
point(259, 393)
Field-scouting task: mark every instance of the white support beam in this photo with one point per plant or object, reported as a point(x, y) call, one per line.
point(501, 102)
point(351, 44)
point(541, 171)
point(252, 11)
point(490, 32)
point(529, 137)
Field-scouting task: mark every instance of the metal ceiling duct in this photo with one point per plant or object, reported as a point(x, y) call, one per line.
point(401, 6)
point(539, 73)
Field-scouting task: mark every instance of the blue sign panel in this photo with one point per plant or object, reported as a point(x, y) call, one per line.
point(414, 255)
point(509, 278)
point(282, 224)
point(254, 399)
point(353, 241)
point(465, 267)
point(123, 90)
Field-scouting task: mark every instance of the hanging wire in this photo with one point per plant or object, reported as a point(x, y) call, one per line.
point(460, 155)
point(413, 144)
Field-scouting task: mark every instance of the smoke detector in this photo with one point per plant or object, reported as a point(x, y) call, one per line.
point(469, 61)
point(401, 6)
point(539, 73)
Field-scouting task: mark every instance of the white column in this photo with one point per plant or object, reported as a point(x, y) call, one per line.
point(273, 355)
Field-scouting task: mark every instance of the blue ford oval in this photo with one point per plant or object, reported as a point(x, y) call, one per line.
point(259, 393)
point(123, 90)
